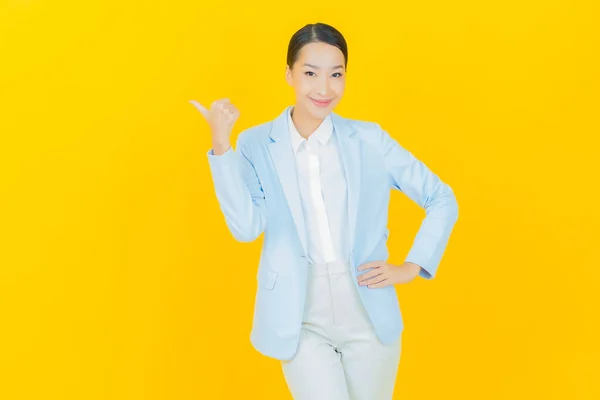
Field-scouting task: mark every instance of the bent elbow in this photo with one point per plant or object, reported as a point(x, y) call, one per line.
point(453, 204)
point(248, 232)
point(245, 237)
point(443, 204)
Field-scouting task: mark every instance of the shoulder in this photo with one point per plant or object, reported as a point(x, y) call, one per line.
point(254, 134)
point(369, 132)
point(363, 126)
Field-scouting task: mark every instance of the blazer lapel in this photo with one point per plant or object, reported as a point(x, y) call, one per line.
point(284, 160)
point(349, 147)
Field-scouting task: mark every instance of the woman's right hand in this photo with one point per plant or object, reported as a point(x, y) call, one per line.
point(221, 117)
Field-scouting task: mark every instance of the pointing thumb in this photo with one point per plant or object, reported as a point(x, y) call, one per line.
point(200, 108)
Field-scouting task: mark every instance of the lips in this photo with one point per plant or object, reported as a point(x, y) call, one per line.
point(320, 103)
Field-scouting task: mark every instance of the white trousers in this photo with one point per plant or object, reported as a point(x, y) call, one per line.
point(339, 356)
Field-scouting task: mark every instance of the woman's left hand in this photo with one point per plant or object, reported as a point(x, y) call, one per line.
point(384, 274)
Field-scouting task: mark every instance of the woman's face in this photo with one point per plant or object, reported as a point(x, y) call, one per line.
point(317, 75)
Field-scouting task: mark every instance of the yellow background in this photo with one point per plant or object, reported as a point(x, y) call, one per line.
point(119, 279)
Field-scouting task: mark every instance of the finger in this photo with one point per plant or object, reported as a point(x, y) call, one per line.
point(220, 102)
point(369, 275)
point(225, 107)
point(374, 280)
point(385, 282)
point(200, 108)
point(366, 266)
point(371, 264)
point(229, 108)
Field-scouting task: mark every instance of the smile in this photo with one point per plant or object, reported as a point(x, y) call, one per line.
point(321, 103)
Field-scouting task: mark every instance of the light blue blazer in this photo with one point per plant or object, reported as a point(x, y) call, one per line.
point(257, 190)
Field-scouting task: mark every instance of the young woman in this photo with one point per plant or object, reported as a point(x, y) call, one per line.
point(318, 185)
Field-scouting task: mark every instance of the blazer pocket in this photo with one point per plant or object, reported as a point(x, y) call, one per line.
point(266, 278)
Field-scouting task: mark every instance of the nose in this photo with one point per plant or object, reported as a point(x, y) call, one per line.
point(323, 88)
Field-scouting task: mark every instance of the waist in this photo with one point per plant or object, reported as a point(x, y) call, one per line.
point(329, 268)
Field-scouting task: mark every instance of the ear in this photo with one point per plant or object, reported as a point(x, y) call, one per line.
point(288, 75)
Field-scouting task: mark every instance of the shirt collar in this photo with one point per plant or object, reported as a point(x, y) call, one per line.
point(321, 134)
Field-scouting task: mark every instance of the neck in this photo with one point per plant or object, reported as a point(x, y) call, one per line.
point(305, 124)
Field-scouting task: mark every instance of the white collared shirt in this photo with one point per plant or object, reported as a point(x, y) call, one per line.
point(323, 193)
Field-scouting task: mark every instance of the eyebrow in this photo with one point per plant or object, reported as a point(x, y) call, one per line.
point(315, 67)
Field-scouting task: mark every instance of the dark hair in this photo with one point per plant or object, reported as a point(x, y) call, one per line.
point(318, 32)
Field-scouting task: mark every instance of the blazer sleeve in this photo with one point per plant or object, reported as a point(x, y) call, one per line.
point(239, 192)
point(413, 178)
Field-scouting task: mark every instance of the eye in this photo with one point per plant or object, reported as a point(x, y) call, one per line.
point(309, 72)
point(338, 74)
